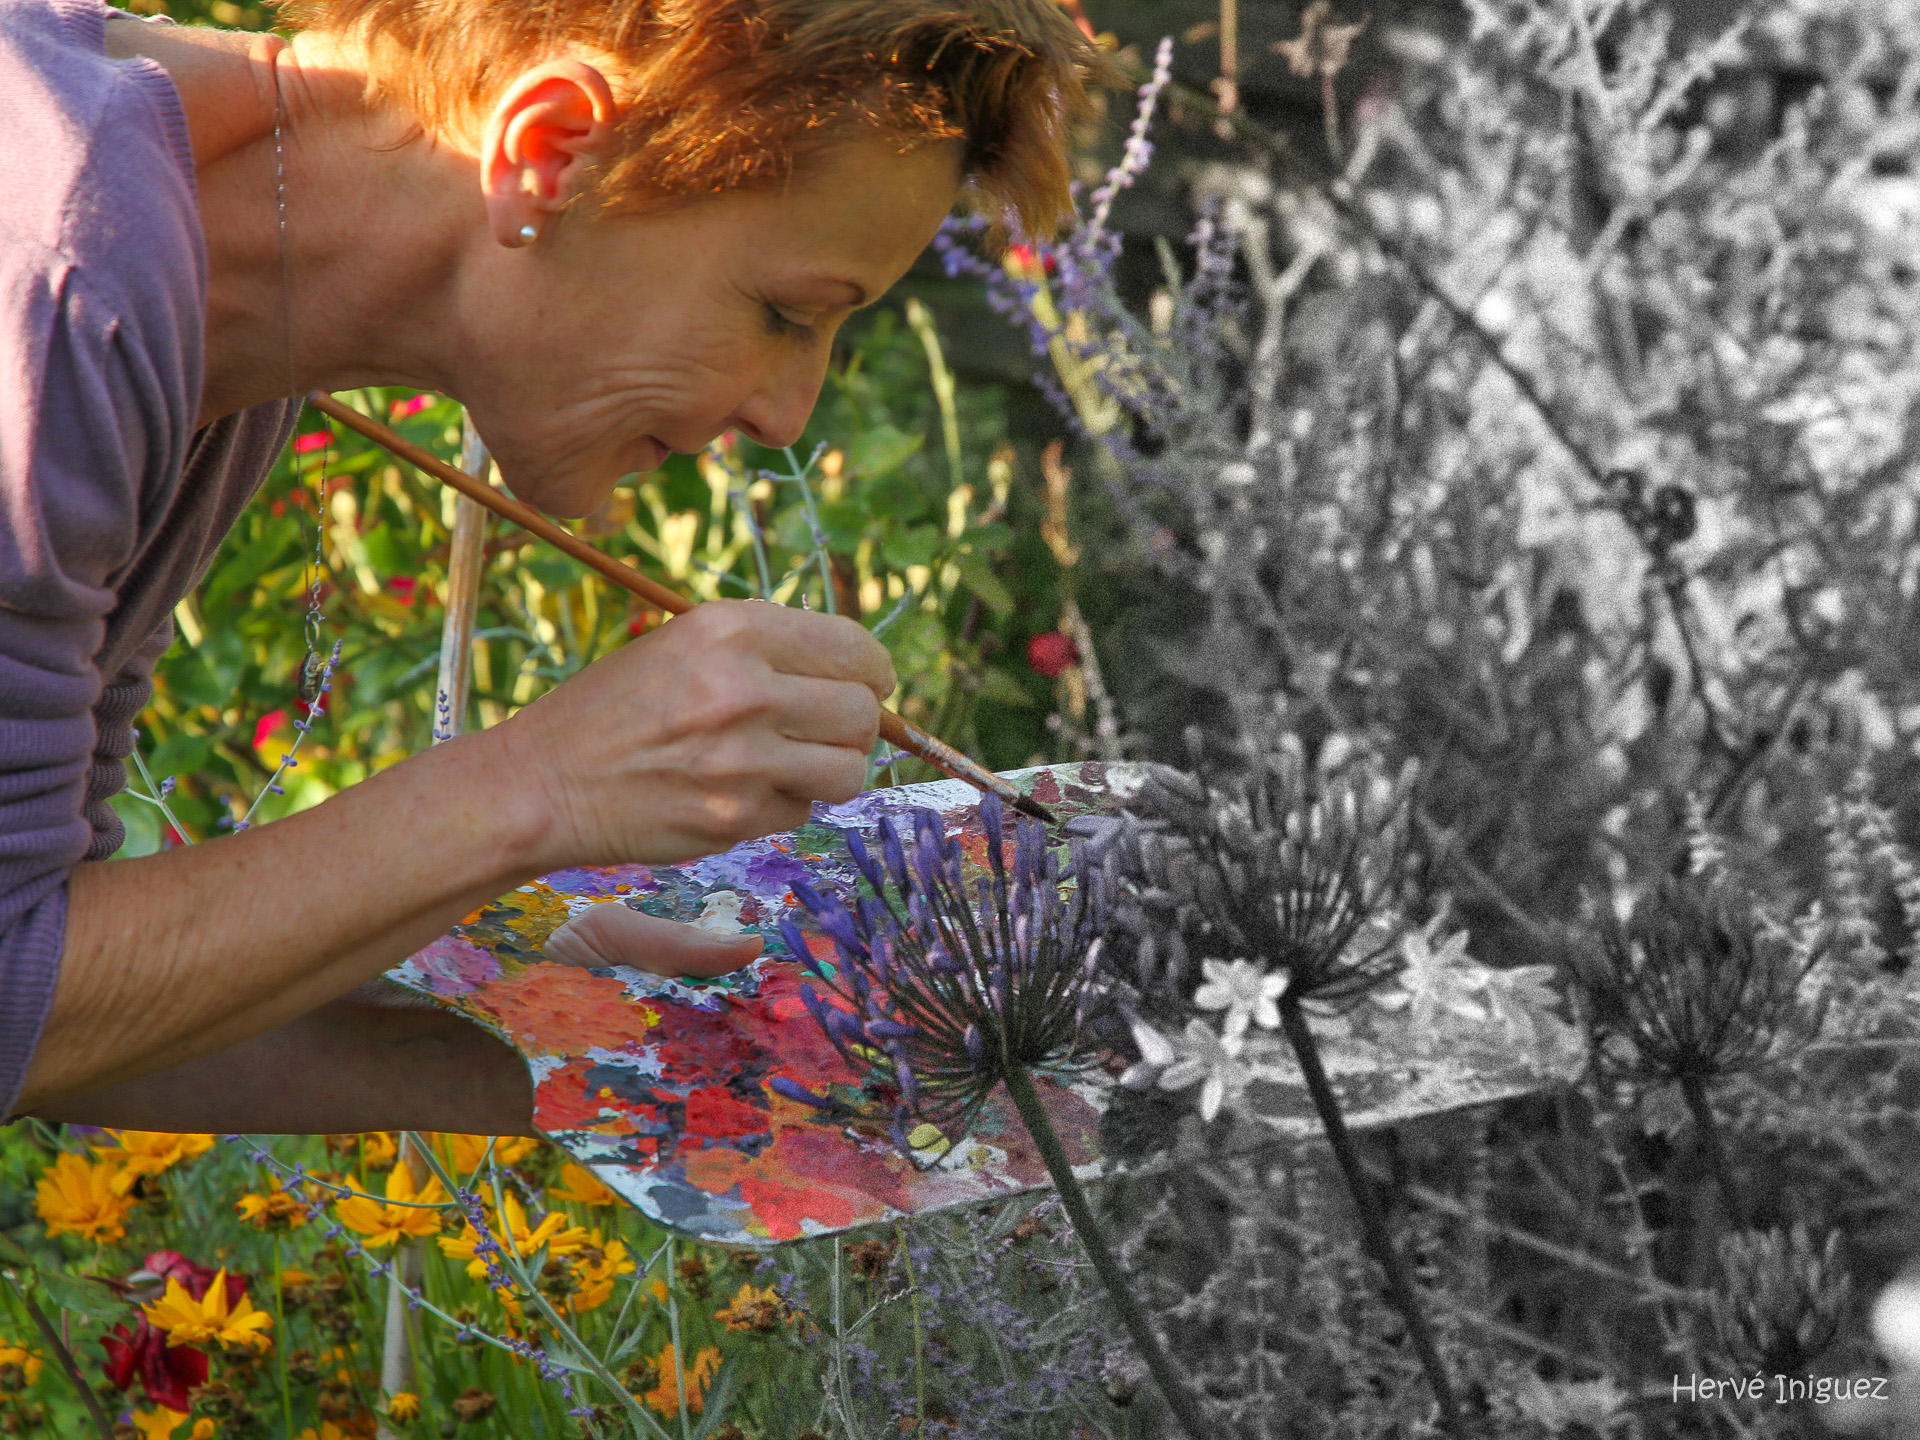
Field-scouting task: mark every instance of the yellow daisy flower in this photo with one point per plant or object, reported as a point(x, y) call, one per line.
point(754, 1311)
point(386, 1224)
point(594, 1270)
point(148, 1152)
point(276, 1209)
point(553, 1232)
point(403, 1405)
point(582, 1187)
point(76, 1198)
point(665, 1397)
point(467, 1151)
point(188, 1321)
point(159, 1424)
point(19, 1367)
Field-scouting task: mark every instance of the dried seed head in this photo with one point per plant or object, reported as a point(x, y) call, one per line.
point(1695, 981)
point(1781, 1299)
point(1265, 866)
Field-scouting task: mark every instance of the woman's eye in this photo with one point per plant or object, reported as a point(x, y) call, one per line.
point(781, 323)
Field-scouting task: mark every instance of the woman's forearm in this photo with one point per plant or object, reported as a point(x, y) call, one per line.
point(378, 1058)
point(178, 955)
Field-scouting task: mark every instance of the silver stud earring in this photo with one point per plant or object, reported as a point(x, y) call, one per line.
point(528, 234)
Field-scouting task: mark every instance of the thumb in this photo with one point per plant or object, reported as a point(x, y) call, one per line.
point(617, 934)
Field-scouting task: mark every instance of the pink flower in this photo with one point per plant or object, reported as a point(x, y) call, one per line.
point(311, 441)
point(1052, 653)
point(403, 408)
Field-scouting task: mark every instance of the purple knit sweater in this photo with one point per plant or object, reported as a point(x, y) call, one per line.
point(111, 503)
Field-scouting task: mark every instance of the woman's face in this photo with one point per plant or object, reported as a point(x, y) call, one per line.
point(615, 339)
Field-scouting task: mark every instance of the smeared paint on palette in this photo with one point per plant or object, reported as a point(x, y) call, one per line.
point(661, 1086)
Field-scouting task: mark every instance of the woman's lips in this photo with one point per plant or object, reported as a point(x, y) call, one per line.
point(653, 454)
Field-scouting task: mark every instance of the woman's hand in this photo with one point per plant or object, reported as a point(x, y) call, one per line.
point(723, 725)
point(614, 934)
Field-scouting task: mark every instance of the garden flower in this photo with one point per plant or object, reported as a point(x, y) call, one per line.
point(403, 1405)
point(582, 1187)
point(665, 1396)
point(162, 1423)
point(386, 1224)
point(1212, 1061)
point(552, 1233)
point(467, 1151)
point(148, 1152)
point(76, 1198)
point(938, 994)
point(169, 1374)
point(19, 1368)
point(1282, 869)
point(210, 1318)
point(277, 1209)
point(594, 1269)
point(1245, 991)
point(755, 1311)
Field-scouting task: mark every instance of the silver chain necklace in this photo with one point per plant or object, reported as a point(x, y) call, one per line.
point(313, 669)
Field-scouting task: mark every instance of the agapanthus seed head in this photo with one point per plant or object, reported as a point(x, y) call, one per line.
point(1269, 864)
point(1694, 981)
point(941, 986)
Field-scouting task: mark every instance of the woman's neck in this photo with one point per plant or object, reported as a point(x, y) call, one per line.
point(283, 131)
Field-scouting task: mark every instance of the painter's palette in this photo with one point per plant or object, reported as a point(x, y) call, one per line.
point(661, 1086)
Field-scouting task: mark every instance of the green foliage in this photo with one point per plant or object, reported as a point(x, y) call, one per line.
point(912, 544)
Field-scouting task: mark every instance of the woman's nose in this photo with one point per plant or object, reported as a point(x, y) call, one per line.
point(776, 413)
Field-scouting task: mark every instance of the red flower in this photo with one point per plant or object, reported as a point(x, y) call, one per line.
point(1023, 257)
point(403, 588)
point(311, 441)
point(1052, 653)
point(403, 408)
point(168, 1373)
point(262, 733)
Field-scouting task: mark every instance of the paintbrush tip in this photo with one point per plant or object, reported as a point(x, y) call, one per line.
point(1026, 805)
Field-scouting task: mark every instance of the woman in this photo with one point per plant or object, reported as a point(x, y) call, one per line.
point(612, 229)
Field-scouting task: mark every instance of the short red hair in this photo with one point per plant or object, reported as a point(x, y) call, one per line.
point(722, 94)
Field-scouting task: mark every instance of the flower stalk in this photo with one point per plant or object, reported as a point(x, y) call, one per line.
point(1180, 1400)
point(1373, 1223)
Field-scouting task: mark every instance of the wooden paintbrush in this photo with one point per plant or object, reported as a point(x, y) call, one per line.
point(894, 730)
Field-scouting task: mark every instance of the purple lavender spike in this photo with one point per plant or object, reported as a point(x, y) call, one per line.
point(864, 861)
point(896, 856)
point(794, 1090)
point(891, 1030)
point(797, 944)
point(976, 1044)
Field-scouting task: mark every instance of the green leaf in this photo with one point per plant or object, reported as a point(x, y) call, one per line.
point(143, 824)
point(980, 579)
point(1001, 688)
point(236, 576)
point(882, 450)
point(82, 1297)
point(384, 553)
point(917, 546)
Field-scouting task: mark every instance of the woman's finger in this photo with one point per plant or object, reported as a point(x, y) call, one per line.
point(828, 712)
point(616, 934)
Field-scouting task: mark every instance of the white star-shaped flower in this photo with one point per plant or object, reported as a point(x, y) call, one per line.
point(1213, 1061)
point(1245, 991)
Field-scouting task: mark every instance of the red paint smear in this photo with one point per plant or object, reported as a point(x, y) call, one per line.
point(564, 1103)
point(716, 1113)
point(558, 1010)
point(806, 1175)
point(1046, 789)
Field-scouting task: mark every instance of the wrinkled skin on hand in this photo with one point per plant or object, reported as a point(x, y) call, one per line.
point(725, 724)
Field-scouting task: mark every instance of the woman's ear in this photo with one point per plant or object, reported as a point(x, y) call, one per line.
point(539, 144)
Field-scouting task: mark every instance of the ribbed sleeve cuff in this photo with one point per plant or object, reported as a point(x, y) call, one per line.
point(29, 965)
